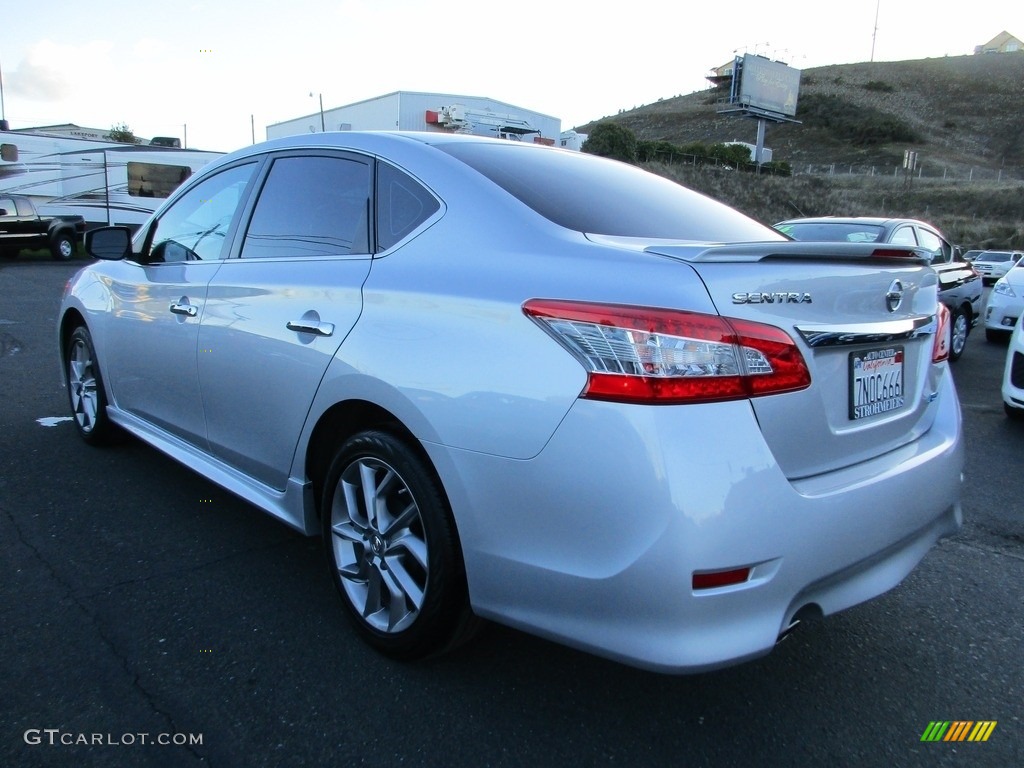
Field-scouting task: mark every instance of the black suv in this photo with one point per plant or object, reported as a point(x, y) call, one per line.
point(960, 285)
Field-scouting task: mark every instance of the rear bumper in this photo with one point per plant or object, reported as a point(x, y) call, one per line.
point(594, 542)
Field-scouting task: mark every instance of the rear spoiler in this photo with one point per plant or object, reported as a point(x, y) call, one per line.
point(792, 250)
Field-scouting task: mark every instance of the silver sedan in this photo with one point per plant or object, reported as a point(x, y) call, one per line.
point(530, 385)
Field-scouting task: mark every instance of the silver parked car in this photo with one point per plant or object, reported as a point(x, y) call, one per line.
point(525, 384)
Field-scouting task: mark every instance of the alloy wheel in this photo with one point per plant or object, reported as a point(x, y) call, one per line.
point(82, 385)
point(380, 549)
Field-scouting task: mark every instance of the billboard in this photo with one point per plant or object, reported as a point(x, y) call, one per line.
point(766, 85)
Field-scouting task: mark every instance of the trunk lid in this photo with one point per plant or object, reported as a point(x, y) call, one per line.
point(864, 318)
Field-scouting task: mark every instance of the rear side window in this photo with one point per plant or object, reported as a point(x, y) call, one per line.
point(155, 179)
point(604, 197)
point(311, 206)
point(402, 205)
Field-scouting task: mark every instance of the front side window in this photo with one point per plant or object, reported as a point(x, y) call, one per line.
point(8, 205)
point(196, 225)
point(311, 206)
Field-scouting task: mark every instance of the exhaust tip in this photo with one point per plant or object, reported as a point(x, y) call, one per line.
point(809, 612)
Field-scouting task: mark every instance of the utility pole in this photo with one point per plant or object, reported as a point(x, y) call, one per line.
point(874, 33)
point(3, 110)
point(323, 127)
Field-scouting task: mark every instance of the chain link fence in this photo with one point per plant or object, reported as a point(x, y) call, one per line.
point(924, 172)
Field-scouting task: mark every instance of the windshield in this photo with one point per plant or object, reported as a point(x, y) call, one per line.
point(994, 256)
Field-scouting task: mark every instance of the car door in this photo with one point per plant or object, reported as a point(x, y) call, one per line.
point(158, 298)
point(277, 311)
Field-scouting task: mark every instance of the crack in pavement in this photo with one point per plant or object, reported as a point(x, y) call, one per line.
point(148, 697)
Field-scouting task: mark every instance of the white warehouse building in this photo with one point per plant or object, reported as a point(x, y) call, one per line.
point(412, 111)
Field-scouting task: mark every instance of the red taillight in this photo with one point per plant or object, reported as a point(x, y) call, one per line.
point(714, 579)
point(648, 355)
point(940, 344)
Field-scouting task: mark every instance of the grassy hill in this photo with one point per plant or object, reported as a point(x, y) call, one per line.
point(961, 114)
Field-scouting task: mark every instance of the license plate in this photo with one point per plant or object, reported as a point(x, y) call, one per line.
point(876, 382)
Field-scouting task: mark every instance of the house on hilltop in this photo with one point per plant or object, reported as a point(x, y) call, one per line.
point(1004, 42)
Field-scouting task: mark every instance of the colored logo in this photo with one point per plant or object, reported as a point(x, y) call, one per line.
point(958, 730)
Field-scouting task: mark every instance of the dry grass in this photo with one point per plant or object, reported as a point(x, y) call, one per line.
point(966, 110)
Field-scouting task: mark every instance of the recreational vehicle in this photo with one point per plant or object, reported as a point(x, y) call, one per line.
point(103, 181)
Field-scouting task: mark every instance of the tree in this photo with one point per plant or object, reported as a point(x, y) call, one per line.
point(612, 140)
point(123, 134)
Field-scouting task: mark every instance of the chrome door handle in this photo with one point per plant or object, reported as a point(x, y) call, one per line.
point(184, 309)
point(305, 326)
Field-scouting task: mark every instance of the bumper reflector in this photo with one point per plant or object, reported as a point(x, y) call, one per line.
point(715, 579)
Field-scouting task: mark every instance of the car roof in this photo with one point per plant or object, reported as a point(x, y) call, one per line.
point(366, 140)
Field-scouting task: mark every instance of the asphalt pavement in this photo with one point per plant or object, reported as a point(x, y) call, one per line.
point(148, 617)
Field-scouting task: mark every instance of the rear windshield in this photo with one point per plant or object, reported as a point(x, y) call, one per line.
point(605, 197)
point(832, 231)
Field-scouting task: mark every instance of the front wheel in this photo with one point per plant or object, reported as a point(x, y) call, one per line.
point(85, 389)
point(392, 548)
point(959, 327)
point(62, 247)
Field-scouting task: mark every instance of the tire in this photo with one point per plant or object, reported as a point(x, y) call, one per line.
point(62, 247)
point(86, 395)
point(959, 329)
point(398, 567)
point(1016, 414)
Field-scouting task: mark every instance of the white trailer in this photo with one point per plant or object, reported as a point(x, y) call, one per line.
point(103, 181)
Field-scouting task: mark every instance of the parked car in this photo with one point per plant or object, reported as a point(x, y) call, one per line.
point(23, 228)
point(1005, 304)
point(514, 382)
point(959, 285)
point(993, 265)
point(1013, 375)
point(970, 256)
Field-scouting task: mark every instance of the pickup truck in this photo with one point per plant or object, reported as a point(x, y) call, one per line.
point(22, 228)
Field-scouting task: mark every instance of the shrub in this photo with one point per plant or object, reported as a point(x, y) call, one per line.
point(612, 140)
point(862, 126)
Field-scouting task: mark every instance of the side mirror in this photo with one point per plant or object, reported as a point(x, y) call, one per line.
point(108, 243)
point(3, 211)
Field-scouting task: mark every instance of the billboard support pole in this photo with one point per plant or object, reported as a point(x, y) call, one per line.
point(759, 149)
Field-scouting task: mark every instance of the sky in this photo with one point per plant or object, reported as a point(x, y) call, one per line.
point(217, 73)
